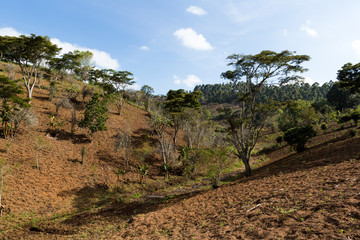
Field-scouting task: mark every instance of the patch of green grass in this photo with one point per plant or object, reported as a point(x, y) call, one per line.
point(136, 195)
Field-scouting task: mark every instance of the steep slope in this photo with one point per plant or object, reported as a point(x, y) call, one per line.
point(313, 195)
point(50, 188)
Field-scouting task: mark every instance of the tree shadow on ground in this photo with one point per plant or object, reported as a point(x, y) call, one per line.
point(111, 207)
point(334, 151)
point(75, 138)
point(108, 158)
point(141, 136)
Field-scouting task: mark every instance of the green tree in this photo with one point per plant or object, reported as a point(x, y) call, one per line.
point(175, 103)
point(148, 91)
point(28, 52)
point(83, 64)
point(349, 77)
point(341, 98)
point(68, 61)
point(246, 124)
point(11, 104)
point(95, 116)
point(114, 83)
point(297, 137)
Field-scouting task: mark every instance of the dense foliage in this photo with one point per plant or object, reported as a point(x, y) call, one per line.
point(227, 92)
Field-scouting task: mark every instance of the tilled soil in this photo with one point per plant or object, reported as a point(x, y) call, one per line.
point(321, 202)
point(309, 195)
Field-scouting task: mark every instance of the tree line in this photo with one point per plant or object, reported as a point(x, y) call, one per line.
point(227, 92)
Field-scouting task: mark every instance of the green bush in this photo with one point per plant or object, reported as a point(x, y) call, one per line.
point(324, 127)
point(279, 139)
point(344, 119)
point(297, 137)
point(351, 133)
point(355, 116)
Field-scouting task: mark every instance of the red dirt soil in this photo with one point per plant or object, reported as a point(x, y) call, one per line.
point(310, 195)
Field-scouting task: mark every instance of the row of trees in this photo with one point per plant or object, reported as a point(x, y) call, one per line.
point(227, 92)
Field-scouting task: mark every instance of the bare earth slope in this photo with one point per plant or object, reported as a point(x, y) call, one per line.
point(310, 195)
point(322, 201)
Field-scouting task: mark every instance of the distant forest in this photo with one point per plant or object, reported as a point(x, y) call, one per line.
point(227, 92)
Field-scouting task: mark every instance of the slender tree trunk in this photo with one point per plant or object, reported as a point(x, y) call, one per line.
point(247, 166)
point(1, 187)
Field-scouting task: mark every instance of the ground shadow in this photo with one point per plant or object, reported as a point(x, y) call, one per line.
point(75, 138)
point(141, 136)
point(108, 158)
point(112, 208)
point(334, 151)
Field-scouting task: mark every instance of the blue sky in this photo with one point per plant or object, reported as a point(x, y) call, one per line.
point(173, 44)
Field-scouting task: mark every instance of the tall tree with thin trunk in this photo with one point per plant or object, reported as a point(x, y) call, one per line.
point(29, 52)
point(246, 124)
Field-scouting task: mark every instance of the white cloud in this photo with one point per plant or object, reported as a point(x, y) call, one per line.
point(286, 33)
point(191, 39)
point(309, 80)
point(196, 10)
point(191, 81)
point(356, 46)
point(8, 31)
point(310, 31)
point(101, 58)
point(144, 48)
point(134, 86)
point(177, 80)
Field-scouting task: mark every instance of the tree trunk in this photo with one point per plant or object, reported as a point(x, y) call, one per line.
point(1, 187)
point(247, 167)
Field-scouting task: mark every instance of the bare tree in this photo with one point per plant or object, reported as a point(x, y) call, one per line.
point(62, 102)
point(3, 171)
point(10, 68)
point(159, 124)
point(123, 142)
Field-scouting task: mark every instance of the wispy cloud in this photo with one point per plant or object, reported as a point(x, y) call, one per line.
point(8, 31)
point(196, 10)
point(308, 29)
point(101, 58)
point(309, 80)
point(191, 39)
point(190, 82)
point(356, 46)
point(144, 48)
point(286, 33)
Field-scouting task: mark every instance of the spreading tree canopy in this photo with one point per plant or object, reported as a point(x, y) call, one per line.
point(246, 124)
point(28, 52)
point(349, 77)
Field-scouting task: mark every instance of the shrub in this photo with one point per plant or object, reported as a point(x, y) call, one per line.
point(297, 137)
point(344, 119)
point(95, 116)
point(355, 116)
point(216, 160)
point(324, 127)
point(279, 139)
point(351, 133)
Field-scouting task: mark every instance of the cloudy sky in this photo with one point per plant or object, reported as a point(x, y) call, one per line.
point(172, 44)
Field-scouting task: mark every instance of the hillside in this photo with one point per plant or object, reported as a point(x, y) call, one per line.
point(309, 195)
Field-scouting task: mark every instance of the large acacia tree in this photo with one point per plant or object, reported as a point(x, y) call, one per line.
point(246, 124)
point(349, 77)
point(29, 52)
